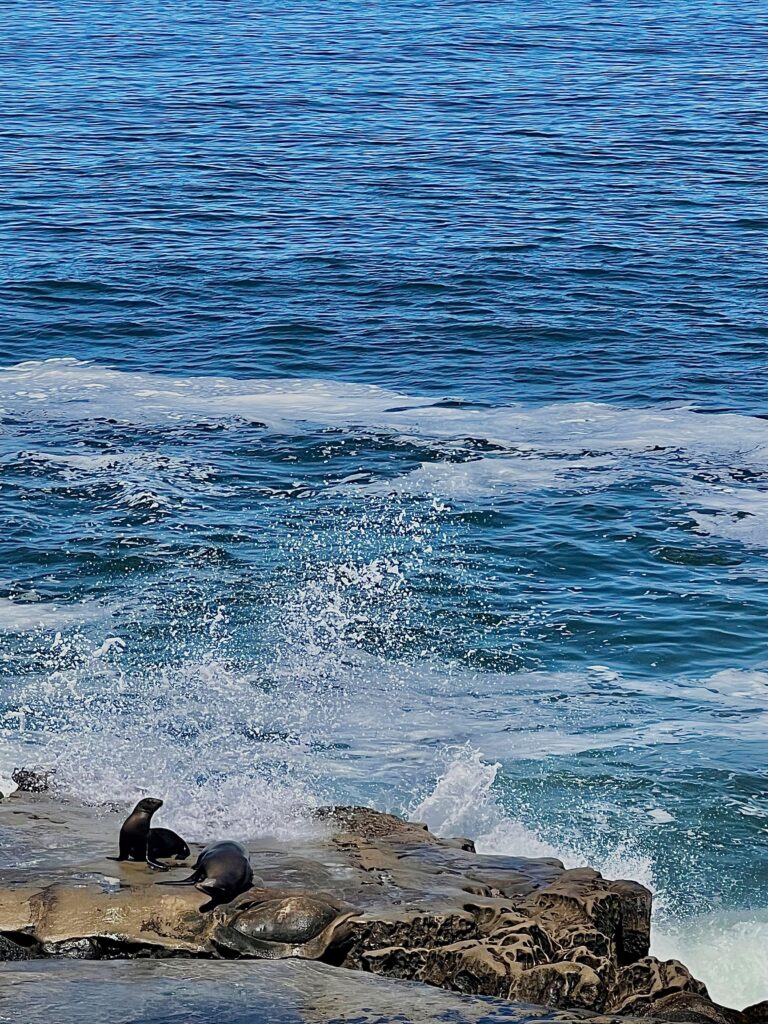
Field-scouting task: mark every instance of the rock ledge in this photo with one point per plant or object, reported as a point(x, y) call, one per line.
point(369, 892)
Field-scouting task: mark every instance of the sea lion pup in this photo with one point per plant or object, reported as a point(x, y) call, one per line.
point(164, 842)
point(134, 835)
point(222, 872)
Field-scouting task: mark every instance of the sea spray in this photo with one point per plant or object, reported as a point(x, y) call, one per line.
point(726, 949)
point(259, 595)
point(466, 800)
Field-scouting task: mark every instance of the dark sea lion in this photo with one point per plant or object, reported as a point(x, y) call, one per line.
point(134, 835)
point(164, 842)
point(222, 872)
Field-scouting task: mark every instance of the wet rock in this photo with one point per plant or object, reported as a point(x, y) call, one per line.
point(295, 991)
point(692, 1007)
point(33, 780)
point(756, 1014)
point(271, 925)
point(461, 843)
point(365, 823)
point(366, 891)
point(10, 950)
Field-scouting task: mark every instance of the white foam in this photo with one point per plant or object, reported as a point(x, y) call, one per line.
point(176, 734)
point(737, 513)
point(70, 389)
point(742, 689)
point(7, 785)
point(31, 616)
point(707, 943)
point(486, 476)
point(572, 446)
point(77, 466)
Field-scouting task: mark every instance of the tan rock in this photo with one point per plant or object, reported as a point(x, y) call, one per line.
point(366, 890)
point(642, 983)
point(692, 1007)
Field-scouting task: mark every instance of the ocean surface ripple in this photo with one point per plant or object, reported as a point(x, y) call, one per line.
point(383, 419)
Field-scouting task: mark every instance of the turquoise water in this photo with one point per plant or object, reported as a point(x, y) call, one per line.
point(383, 403)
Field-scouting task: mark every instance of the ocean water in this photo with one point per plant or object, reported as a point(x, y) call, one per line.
point(383, 419)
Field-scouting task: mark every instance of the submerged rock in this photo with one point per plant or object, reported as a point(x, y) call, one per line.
point(278, 992)
point(369, 892)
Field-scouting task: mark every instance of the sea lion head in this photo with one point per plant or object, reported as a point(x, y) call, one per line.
point(149, 805)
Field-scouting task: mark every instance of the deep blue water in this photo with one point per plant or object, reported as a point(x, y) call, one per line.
point(568, 200)
point(393, 405)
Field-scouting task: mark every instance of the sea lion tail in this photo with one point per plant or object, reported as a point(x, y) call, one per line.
point(192, 880)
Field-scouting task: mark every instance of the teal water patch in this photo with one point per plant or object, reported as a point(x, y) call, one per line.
point(260, 595)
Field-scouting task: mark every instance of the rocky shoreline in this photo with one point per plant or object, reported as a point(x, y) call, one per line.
point(366, 892)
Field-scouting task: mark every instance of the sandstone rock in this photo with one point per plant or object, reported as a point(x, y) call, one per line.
point(367, 891)
point(273, 926)
point(620, 911)
point(648, 980)
point(692, 1007)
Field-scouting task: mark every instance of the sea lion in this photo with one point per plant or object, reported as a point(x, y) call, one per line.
point(222, 872)
point(134, 835)
point(164, 842)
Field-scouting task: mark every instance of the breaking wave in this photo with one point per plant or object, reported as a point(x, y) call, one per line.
point(251, 597)
point(465, 801)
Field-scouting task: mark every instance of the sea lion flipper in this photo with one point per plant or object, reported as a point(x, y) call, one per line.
point(156, 866)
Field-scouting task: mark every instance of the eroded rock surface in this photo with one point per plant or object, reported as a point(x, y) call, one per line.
point(367, 891)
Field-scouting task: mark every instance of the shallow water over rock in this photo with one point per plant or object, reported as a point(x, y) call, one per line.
point(282, 992)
